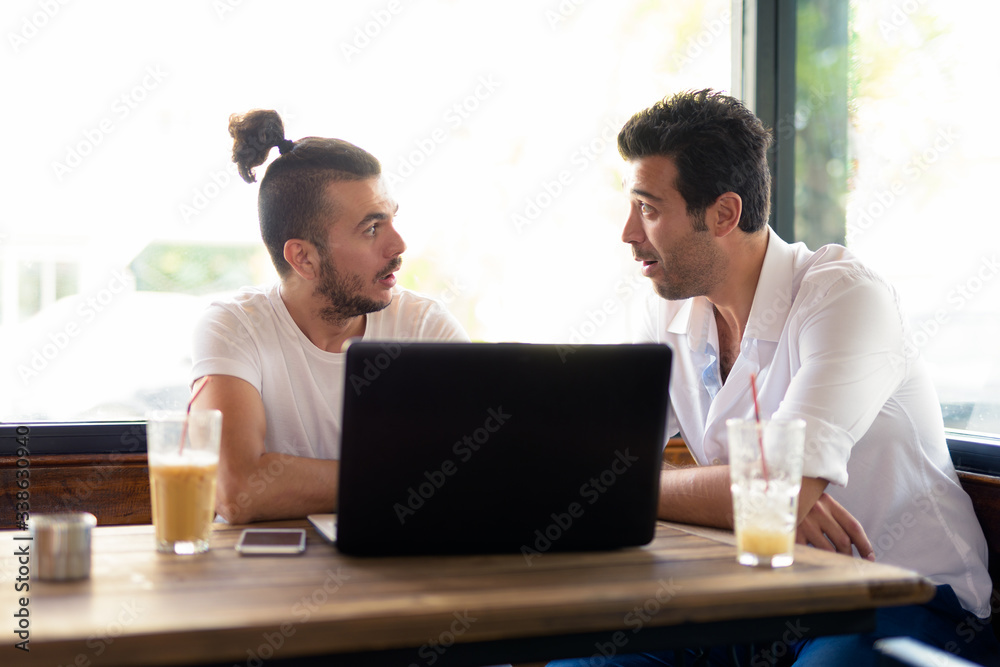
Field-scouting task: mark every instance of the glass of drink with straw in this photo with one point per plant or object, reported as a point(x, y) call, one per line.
point(765, 465)
point(183, 450)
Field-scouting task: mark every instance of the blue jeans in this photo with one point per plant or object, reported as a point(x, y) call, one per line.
point(941, 623)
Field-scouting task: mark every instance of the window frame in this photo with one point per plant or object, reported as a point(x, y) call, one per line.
point(766, 35)
point(769, 83)
point(27, 439)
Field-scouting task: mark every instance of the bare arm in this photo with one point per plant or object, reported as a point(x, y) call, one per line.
point(700, 495)
point(697, 494)
point(256, 485)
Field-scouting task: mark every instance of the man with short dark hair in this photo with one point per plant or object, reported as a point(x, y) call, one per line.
point(275, 356)
point(825, 338)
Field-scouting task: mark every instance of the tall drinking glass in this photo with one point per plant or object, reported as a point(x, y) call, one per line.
point(765, 465)
point(183, 460)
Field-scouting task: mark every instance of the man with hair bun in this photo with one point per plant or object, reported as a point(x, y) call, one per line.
point(275, 355)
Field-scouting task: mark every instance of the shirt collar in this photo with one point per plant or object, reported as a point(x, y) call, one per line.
point(772, 299)
point(694, 320)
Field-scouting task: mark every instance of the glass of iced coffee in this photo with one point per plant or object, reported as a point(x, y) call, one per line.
point(183, 450)
point(765, 467)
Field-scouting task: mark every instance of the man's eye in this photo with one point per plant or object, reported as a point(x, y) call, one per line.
point(645, 208)
point(371, 230)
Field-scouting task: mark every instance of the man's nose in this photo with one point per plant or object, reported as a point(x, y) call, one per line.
point(397, 245)
point(632, 233)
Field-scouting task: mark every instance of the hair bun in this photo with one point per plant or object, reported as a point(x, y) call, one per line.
point(254, 134)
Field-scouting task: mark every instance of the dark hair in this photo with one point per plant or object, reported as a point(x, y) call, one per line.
point(293, 201)
point(717, 145)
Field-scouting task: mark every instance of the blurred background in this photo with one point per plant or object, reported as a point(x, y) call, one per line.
point(496, 125)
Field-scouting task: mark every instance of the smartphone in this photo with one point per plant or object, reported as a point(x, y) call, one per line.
point(271, 541)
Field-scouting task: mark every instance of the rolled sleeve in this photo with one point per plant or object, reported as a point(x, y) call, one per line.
point(850, 348)
point(827, 449)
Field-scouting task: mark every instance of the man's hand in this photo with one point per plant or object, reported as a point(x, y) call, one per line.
point(830, 527)
point(700, 495)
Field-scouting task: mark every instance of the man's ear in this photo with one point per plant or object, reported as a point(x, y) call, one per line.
point(723, 216)
point(303, 257)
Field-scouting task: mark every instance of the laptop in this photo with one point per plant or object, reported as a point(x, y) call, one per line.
point(499, 447)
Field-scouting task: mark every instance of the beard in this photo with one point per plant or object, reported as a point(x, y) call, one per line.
point(343, 293)
point(692, 269)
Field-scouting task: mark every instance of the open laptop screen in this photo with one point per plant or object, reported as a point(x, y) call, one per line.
point(487, 447)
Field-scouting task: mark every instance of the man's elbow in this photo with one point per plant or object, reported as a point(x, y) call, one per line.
point(233, 502)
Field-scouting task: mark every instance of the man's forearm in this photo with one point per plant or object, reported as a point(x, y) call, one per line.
point(698, 495)
point(279, 486)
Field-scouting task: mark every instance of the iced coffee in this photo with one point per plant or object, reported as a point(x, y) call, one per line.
point(183, 462)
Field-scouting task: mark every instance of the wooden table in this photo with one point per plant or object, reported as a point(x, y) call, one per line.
point(144, 608)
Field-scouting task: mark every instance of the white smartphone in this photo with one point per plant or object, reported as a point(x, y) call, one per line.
point(271, 541)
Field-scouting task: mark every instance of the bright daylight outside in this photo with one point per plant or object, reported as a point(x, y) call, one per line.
point(923, 159)
point(496, 125)
point(495, 122)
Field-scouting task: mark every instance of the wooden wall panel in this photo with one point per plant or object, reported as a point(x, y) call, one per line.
point(985, 493)
point(676, 453)
point(113, 487)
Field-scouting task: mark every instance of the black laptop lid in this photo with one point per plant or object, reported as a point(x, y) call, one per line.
point(486, 447)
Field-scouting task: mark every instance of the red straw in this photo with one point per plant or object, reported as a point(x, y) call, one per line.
point(199, 385)
point(760, 432)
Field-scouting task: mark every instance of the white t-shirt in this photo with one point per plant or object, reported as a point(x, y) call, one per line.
point(829, 344)
point(253, 337)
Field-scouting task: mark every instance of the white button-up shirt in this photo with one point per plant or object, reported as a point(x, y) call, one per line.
point(826, 339)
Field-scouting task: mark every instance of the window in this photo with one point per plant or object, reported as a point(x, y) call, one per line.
point(495, 121)
point(893, 105)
